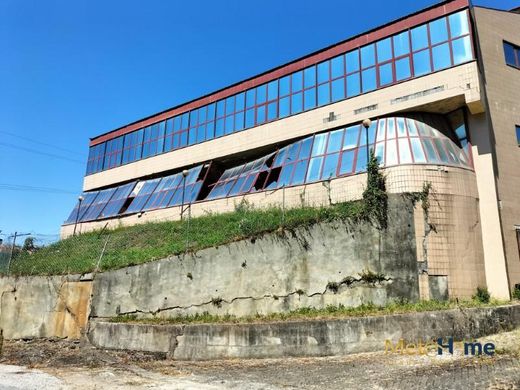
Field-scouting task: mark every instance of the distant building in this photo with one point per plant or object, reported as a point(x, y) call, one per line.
point(442, 88)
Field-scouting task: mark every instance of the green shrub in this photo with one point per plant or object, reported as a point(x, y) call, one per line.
point(482, 295)
point(516, 292)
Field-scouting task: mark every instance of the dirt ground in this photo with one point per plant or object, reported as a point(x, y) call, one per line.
point(64, 364)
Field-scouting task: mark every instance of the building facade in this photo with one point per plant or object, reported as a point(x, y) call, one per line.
point(441, 88)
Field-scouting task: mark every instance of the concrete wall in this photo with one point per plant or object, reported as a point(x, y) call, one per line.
point(453, 249)
point(44, 306)
point(304, 338)
point(502, 86)
point(274, 273)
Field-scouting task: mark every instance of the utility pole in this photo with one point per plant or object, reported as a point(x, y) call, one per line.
point(16, 234)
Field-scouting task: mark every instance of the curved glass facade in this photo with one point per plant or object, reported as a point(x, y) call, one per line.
point(433, 46)
point(418, 139)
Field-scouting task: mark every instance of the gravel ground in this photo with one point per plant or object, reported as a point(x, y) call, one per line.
point(62, 364)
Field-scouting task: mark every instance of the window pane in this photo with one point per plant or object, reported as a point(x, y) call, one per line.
point(440, 150)
point(250, 119)
point(239, 104)
point(271, 111)
point(361, 162)
point(272, 90)
point(401, 130)
point(323, 94)
point(351, 137)
point(518, 134)
point(402, 69)
point(220, 108)
point(337, 66)
point(310, 98)
point(380, 153)
point(353, 85)
point(323, 72)
point(309, 76)
point(330, 166)
point(201, 133)
point(412, 130)
point(230, 105)
point(384, 50)
point(430, 151)
point(421, 63)
point(284, 107)
point(285, 83)
point(438, 31)
point(461, 50)
point(419, 38)
point(229, 124)
point(401, 44)
point(441, 56)
point(418, 153)
point(390, 128)
point(296, 103)
point(509, 52)
point(319, 144)
point(299, 173)
point(458, 24)
point(368, 56)
point(297, 81)
point(352, 61)
point(250, 99)
point(335, 139)
point(314, 169)
point(381, 127)
point(338, 89)
point(405, 156)
point(391, 153)
point(369, 79)
point(385, 74)
point(210, 128)
point(305, 149)
point(239, 121)
point(260, 114)
point(347, 159)
point(261, 94)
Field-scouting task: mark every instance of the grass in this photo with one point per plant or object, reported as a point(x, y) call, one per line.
point(147, 242)
point(308, 313)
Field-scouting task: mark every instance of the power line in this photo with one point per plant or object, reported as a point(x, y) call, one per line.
point(41, 153)
point(40, 143)
point(20, 187)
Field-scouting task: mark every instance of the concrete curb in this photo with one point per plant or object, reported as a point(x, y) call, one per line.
point(302, 338)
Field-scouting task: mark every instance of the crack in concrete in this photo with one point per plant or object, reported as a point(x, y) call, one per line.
point(346, 281)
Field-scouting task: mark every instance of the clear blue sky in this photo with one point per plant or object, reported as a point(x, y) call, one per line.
point(70, 70)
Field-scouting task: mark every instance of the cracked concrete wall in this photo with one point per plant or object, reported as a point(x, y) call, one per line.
point(277, 272)
point(44, 306)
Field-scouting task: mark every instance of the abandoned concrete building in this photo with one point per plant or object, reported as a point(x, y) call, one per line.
point(442, 90)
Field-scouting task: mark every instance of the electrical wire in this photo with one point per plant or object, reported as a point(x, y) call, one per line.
point(40, 143)
point(9, 145)
point(20, 187)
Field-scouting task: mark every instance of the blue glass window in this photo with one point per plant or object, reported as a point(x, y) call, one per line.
point(421, 63)
point(260, 114)
point(353, 85)
point(438, 31)
point(272, 90)
point(384, 50)
point(369, 79)
point(458, 24)
point(334, 144)
point(351, 137)
point(337, 66)
point(441, 56)
point(385, 74)
point(309, 76)
point(323, 72)
point(462, 50)
point(250, 100)
point(330, 166)
point(271, 111)
point(239, 121)
point(347, 160)
point(310, 98)
point(338, 89)
point(323, 94)
point(297, 81)
point(239, 105)
point(512, 54)
point(419, 37)
point(285, 84)
point(402, 69)
point(401, 44)
point(314, 171)
point(352, 58)
point(296, 103)
point(284, 107)
point(319, 144)
point(261, 94)
point(368, 56)
point(250, 118)
point(117, 200)
point(518, 135)
point(299, 173)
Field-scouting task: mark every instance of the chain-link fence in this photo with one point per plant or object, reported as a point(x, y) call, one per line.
point(115, 248)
